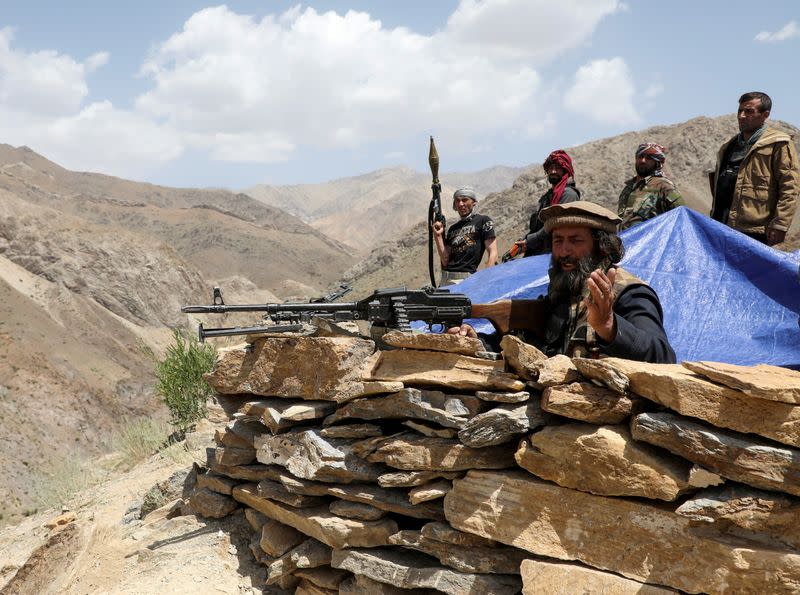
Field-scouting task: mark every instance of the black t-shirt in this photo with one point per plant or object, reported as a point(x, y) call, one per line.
point(467, 241)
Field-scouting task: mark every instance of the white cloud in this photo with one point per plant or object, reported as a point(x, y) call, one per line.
point(604, 91)
point(42, 97)
point(338, 80)
point(96, 138)
point(788, 31)
point(45, 82)
point(533, 29)
point(241, 89)
point(653, 90)
point(97, 60)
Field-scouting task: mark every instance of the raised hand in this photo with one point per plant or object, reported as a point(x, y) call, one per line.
point(600, 303)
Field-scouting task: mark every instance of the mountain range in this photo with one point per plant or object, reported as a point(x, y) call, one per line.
point(93, 268)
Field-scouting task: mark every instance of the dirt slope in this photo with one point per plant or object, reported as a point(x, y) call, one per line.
point(101, 550)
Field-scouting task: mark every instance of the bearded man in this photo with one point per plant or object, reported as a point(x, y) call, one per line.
point(648, 193)
point(560, 174)
point(595, 307)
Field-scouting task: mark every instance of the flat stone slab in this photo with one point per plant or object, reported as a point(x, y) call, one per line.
point(429, 491)
point(433, 342)
point(434, 406)
point(406, 479)
point(239, 433)
point(494, 397)
point(277, 538)
point(306, 454)
point(319, 522)
point(681, 390)
point(447, 534)
point(585, 401)
point(559, 578)
point(388, 499)
point(351, 431)
point(603, 460)
point(281, 414)
point(312, 368)
point(255, 472)
point(747, 512)
point(555, 370)
point(523, 359)
point(480, 559)
point(745, 458)
point(432, 431)
point(410, 570)
point(323, 576)
point(308, 554)
point(361, 585)
point(412, 452)
point(762, 381)
point(274, 490)
point(356, 510)
point(451, 370)
point(216, 483)
point(502, 424)
point(226, 455)
point(641, 541)
point(602, 374)
point(211, 504)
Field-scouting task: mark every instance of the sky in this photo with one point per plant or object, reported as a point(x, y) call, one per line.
point(191, 94)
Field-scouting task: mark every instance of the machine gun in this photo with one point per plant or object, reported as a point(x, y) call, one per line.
point(393, 308)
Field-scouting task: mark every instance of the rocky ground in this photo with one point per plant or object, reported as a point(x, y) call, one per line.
point(99, 545)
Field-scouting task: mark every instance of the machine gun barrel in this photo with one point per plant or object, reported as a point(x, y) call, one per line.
point(272, 308)
point(205, 333)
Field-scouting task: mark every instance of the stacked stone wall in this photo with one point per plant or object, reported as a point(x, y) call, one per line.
point(427, 468)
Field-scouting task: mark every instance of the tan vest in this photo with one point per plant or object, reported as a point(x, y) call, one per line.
point(582, 340)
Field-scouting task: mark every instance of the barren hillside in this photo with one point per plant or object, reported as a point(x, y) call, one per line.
point(91, 268)
point(219, 232)
point(601, 168)
point(364, 210)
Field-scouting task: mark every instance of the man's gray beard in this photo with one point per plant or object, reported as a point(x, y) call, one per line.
point(568, 285)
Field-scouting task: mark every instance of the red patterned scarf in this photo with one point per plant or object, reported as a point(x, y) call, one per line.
point(560, 158)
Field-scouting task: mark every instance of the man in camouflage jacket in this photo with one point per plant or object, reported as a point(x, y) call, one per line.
point(648, 193)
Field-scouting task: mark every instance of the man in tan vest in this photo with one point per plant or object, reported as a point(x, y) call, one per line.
point(595, 307)
point(756, 183)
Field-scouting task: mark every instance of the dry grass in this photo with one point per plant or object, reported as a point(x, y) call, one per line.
point(138, 439)
point(135, 441)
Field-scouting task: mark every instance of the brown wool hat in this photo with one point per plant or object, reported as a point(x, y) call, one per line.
point(581, 213)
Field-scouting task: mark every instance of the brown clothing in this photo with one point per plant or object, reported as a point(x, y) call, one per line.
point(767, 185)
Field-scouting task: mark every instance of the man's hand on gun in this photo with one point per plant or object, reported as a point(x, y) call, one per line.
point(438, 228)
point(464, 330)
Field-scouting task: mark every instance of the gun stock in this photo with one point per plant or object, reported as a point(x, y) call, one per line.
point(518, 315)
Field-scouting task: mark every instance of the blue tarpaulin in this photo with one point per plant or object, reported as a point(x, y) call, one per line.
point(726, 297)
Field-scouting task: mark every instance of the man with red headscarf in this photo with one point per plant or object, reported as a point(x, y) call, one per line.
point(648, 193)
point(560, 173)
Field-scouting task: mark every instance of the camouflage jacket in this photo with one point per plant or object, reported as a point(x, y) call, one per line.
point(643, 199)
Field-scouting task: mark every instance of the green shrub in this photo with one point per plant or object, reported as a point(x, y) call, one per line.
point(179, 380)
